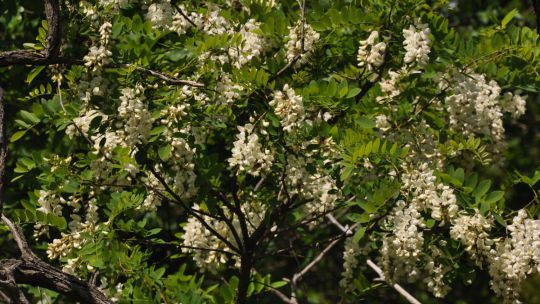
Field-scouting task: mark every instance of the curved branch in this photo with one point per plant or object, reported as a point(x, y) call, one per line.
point(3, 148)
point(33, 271)
point(52, 11)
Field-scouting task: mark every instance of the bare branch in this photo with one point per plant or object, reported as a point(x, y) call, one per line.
point(184, 15)
point(281, 295)
point(192, 211)
point(18, 236)
point(397, 287)
point(376, 268)
point(33, 271)
point(52, 12)
point(3, 148)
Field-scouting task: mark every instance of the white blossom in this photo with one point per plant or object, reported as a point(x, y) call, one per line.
point(426, 194)
point(417, 44)
point(515, 104)
point(350, 262)
point(248, 154)
point(371, 52)
point(515, 257)
point(472, 231)
point(381, 122)
point(97, 57)
point(289, 107)
point(160, 14)
point(251, 46)
point(294, 42)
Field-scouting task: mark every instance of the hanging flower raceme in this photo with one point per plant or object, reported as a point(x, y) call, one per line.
point(289, 107)
point(417, 44)
point(296, 46)
point(371, 52)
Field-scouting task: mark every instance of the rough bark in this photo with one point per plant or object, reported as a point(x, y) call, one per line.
point(39, 273)
point(31, 270)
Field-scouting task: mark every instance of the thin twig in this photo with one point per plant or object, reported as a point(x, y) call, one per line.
point(396, 286)
point(376, 268)
point(184, 15)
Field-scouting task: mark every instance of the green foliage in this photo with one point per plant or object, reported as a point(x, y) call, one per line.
point(341, 137)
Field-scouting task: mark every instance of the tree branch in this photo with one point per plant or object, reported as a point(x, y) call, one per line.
point(3, 148)
point(33, 271)
point(397, 287)
point(376, 268)
point(184, 15)
point(51, 52)
point(52, 12)
point(536, 7)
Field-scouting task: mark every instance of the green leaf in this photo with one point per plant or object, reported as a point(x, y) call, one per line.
point(343, 89)
point(17, 135)
point(509, 17)
point(482, 188)
point(165, 152)
point(365, 123)
point(359, 234)
point(29, 117)
point(470, 182)
point(494, 196)
point(70, 187)
point(35, 71)
point(278, 284)
point(353, 92)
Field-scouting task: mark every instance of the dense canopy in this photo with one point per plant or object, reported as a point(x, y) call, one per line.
point(253, 151)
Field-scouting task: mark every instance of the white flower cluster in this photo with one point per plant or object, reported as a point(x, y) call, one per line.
point(172, 114)
point(389, 86)
point(294, 42)
point(514, 104)
point(318, 188)
point(472, 231)
point(48, 202)
point(181, 24)
point(215, 24)
point(160, 14)
point(403, 247)
point(82, 124)
point(78, 235)
point(289, 107)
point(228, 90)
point(248, 154)
point(133, 129)
point(115, 3)
point(251, 46)
point(371, 52)
point(417, 44)
point(381, 122)
point(427, 195)
point(99, 55)
point(215, 253)
point(136, 118)
point(152, 200)
point(350, 262)
point(181, 163)
point(436, 273)
point(515, 257)
point(475, 106)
